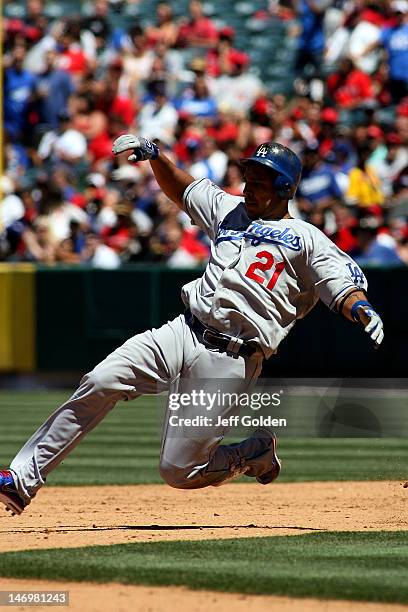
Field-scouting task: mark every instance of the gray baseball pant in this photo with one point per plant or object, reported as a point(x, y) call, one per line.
point(170, 358)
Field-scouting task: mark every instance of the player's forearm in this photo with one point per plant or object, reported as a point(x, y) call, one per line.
point(354, 306)
point(173, 181)
point(345, 304)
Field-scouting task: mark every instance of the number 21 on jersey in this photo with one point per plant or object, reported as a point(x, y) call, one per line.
point(266, 264)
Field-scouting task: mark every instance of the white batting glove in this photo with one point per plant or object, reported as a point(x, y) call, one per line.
point(141, 148)
point(375, 326)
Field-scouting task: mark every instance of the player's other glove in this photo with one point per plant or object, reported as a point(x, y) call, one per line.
point(141, 148)
point(364, 313)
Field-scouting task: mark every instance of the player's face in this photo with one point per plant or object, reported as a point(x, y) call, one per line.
point(261, 199)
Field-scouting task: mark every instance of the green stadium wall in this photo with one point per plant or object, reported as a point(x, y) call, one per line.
point(58, 319)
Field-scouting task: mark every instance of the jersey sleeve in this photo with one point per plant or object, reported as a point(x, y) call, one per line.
point(333, 272)
point(206, 204)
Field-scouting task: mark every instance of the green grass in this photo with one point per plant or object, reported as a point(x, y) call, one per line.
point(125, 447)
point(366, 566)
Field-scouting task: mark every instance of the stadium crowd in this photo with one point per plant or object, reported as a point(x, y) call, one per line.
point(73, 84)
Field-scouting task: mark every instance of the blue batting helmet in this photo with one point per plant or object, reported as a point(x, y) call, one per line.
point(284, 161)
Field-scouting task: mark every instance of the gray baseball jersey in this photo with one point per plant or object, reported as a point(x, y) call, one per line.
point(262, 275)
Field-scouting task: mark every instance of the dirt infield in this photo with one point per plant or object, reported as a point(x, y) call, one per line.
point(122, 598)
point(85, 516)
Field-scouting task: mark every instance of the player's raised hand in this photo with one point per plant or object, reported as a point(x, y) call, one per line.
point(373, 325)
point(141, 148)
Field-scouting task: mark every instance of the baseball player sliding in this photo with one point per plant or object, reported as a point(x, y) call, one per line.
point(266, 270)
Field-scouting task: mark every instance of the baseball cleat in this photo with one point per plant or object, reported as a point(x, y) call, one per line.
point(8, 493)
point(235, 472)
point(273, 472)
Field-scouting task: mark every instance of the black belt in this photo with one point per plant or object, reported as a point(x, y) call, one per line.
point(220, 341)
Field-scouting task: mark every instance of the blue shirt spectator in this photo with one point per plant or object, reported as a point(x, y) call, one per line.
point(395, 41)
point(311, 40)
point(376, 253)
point(311, 13)
point(318, 186)
point(18, 91)
point(53, 88)
point(198, 102)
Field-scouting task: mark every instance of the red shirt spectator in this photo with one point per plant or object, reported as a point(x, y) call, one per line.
point(224, 130)
point(112, 103)
point(222, 62)
point(199, 30)
point(190, 243)
point(72, 56)
point(73, 60)
point(224, 58)
point(100, 147)
point(349, 86)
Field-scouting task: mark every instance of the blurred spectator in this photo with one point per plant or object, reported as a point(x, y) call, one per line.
point(12, 208)
point(210, 162)
point(233, 182)
point(122, 236)
point(158, 118)
point(169, 246)
point(199, 103)
point(394, 39)
point(110, 100)
point(102, 209)
point(39, 243)
point(63, 179)
point(35, 18)
point(69, 250)
point(223, 59)
point(375, 143)
point(72, 55)
point(19, 85)
point(172, 62)
point(373, 248)
point(238, 90)
point(345, 224)
point(137, 57)
point(364, 188)
point(198, 30)
point(16, 159)
point(52, 90)
point(64, 144)
point(349, 87)
point(224, 129)
point(99, 255)
point(381, 85)
point(400, 191)
point(61, 216)
point(165, 29)
point(318, 188)
point(311, 40)
point(366, 32)
point(98, 24)
point(396, 159)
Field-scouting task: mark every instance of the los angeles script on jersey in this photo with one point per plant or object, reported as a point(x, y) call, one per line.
point(258, 233)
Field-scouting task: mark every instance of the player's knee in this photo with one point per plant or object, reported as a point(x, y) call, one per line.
point(100, 380)
point(175, 476)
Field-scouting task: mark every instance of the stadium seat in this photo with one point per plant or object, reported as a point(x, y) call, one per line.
point(13, 11)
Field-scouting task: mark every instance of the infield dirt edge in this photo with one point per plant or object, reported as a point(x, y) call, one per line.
point(121, 598)
point(68, 517)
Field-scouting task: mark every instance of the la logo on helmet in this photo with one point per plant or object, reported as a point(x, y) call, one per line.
point(262, 152)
